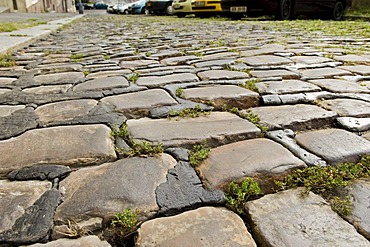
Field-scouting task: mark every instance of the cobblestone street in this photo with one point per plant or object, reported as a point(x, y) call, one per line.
point(266, 98)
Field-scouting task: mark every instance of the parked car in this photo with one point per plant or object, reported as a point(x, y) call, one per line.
point(85, 5)
point(181, 8)
point(160, 7)
point(205, 8)
point(285, 9)
point(137, 7)
point(100, 5)
point(118, 8)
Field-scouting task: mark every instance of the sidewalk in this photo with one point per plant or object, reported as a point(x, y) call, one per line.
point(12, 41)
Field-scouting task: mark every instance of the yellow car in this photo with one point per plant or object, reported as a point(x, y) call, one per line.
point(181, 8)
point(201, 8)
point(205, 8)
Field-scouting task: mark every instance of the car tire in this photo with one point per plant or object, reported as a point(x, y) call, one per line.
point(143, 10)
point(168, 10)
point(147, 11)
point(125, 11)
point(338, 11)
point(285, 10)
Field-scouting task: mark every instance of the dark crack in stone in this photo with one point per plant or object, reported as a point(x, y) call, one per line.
point(179, 153)
point(184, 190)
point(40, 172)
point(36, 223)
point(18, 122)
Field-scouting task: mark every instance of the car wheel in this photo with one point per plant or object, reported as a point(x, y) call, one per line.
point(143, 10)
point(125, 11)
point(147, 11)
point(285, 10)
point(168, 10)
point(338, 11)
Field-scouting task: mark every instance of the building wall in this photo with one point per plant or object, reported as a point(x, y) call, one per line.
point(39, 6)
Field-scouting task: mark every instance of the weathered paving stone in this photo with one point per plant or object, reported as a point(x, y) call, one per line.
point(265, 49)
point(358, 69)
point(166, 70)
point(286, 138)
point(347, 107)
point(7, 110)
point(311, 59)
point(16, 197)
point(205, 226)
point(166, 54)
point(230, 95)
point(265, 60)
point(165, 111)
point(250, 158)
point(139, 103)
point(222, 75)
point(40, 172)
point(58, 68)
point(58, 145)
point(15, 120)
point(358, 192)
point(367, 136)
point(107, 189)
point(4, 91)
point(36, 222)
point(156, 81)
point(85, 241)
point(352, 58)
point(59, 78)
point(220, 62)
point(178, 60)
point(180, 154)
point(295, 117)
point(324, 73)
point(334, 145)
point(64, 111)
point(340, 86)
point(219, 55)
point(184, 190)
point(286, 86)
point(101, 74)
point(354, 124)
point(284, 74)
point(217, 128)
point(135, 64)
point(6, 80)
point(102, 83)
point(48, 89)
point(290, 219)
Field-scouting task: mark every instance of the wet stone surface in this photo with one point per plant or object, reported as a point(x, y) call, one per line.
point(79, 98)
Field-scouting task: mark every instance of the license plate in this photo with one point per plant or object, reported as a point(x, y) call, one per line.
point(239, 9)
point(148, 4)
point(199, 3)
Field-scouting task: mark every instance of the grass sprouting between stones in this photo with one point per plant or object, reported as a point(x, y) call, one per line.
point(179, 92)
point(250, 116)
point(198, 153)
point(137, 148)
point(250, 84)
point(325, 180)
point(237, 194)
point(6, 60)
point(133, 78)
point(123, 226)
point(197, 111)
